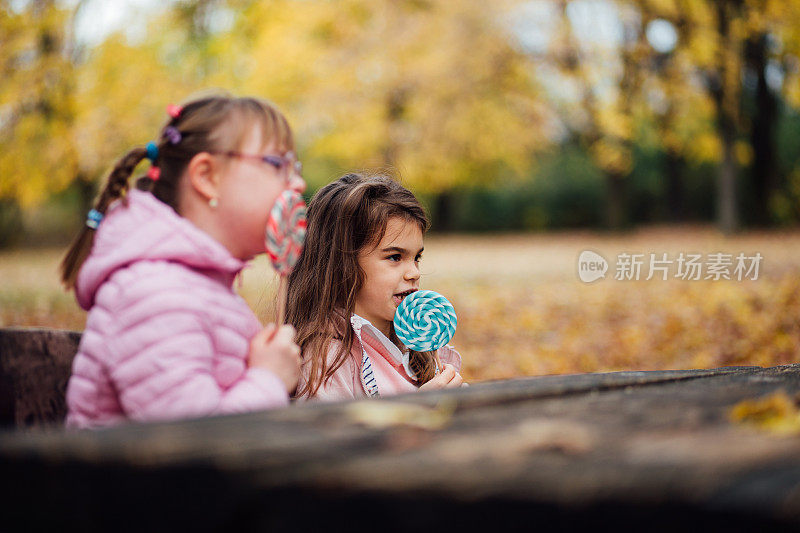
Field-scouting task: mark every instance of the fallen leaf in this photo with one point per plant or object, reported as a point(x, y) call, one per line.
point(776, 413)
point(384, 414)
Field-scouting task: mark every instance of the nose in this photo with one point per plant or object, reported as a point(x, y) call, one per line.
point(412, 272)
point(297, 183)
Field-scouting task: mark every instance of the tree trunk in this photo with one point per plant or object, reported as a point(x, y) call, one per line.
point(615, 201)
point(443, 212)
point(762, 133)
point(723, 89)
point(727, 218)
point(11, 226)
point(676, 192)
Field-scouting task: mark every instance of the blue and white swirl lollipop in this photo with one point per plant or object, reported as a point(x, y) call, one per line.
point(425, 321)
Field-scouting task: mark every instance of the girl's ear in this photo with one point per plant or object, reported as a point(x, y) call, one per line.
point(204, 175)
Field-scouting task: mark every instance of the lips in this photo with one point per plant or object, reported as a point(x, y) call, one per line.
point(397, 298)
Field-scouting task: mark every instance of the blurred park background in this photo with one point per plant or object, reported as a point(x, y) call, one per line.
point(532, 130)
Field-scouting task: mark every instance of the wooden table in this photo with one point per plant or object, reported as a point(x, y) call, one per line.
point(653, 450)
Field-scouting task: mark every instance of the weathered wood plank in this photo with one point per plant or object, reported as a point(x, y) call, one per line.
point(35, 364)
point(665, 451)
point(652, 449)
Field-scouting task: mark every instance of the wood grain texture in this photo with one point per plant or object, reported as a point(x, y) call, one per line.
point(34, 369)
point(651, 450)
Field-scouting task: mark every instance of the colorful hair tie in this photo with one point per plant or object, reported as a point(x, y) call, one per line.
point(152, 151)
point(172, 134)
point(154, 173)
point(93, 218)
point(174, 110)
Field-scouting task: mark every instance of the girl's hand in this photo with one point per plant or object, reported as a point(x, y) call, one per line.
point(446, 379)
point(276, 351)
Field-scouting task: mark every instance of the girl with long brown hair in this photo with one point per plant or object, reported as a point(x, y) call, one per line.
point(167, 337)
point(361, 257)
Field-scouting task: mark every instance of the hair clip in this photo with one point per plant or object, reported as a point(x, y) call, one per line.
point(152, 151)
point(93, 218)
point(172, 134)
point(154, 173)
point(174, 110)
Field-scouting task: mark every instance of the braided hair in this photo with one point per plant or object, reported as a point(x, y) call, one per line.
point(211, 123)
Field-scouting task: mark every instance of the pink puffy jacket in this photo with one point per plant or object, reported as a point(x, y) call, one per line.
point(167, 337)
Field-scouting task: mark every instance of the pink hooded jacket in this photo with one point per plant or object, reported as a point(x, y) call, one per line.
point(166, 337)
point(374, 367)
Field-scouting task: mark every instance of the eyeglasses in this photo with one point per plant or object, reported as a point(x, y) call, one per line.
point(282, 163)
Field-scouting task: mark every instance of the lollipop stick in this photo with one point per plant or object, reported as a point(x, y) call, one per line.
point(280, 311)
point(283, 289)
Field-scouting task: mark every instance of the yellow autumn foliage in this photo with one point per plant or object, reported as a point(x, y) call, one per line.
point(440, 90)
point(776, 413)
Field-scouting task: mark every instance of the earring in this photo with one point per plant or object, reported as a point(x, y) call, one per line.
point(213, 203)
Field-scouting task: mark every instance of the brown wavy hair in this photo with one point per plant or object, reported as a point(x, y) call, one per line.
point(217, 122)
point(344, 218)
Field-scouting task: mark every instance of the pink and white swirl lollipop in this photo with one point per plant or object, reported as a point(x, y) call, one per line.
point(286, 232)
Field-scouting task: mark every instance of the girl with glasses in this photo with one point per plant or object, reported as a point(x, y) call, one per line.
point(167, 336)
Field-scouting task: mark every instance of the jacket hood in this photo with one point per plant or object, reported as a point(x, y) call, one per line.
point(362, 326)
point(146, 229)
